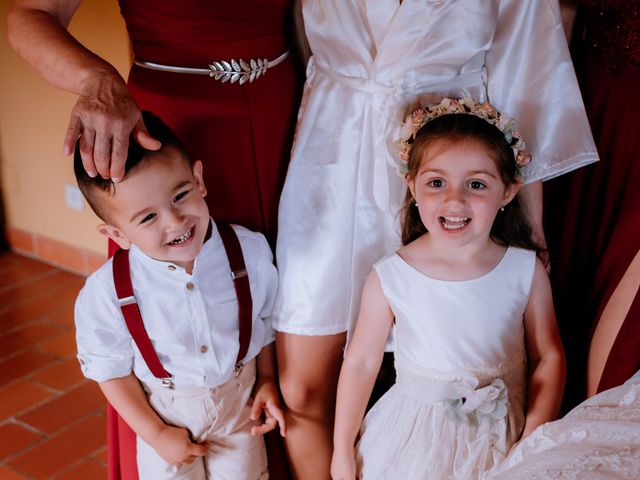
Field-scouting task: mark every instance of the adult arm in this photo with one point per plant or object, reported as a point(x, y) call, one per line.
point(358, 374)
point(172, 443)
point(105, 115)
point(544, 354)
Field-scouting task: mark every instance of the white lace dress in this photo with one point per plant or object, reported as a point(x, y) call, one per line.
point(457, 405)
point(597, 440)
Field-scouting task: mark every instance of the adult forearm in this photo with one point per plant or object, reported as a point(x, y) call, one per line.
point(37, 31)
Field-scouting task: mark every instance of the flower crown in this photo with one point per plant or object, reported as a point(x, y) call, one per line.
point(416, 120)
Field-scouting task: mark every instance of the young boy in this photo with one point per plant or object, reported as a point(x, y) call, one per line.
point(203, 425)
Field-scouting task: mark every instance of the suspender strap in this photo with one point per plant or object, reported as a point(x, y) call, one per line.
point(131, 313)
point(133, 319)
point(240, 279)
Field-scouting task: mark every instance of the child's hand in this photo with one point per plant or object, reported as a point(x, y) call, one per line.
point(343, 465)
point(174, 445)
point(266, 401)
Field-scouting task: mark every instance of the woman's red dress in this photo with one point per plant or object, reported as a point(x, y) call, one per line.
point(241, 133)
point(593, 214)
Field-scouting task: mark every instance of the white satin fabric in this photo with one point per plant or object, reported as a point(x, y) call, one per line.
point(373, 61)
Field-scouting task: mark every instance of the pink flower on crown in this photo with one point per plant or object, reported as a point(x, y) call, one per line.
point(418, 118)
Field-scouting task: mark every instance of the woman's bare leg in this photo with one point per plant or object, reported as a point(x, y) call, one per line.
point(609, 323)
point(308, 370)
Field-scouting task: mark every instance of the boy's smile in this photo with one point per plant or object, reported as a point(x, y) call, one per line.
point(160, 208)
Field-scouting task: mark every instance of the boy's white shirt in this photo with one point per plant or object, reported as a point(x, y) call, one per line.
point(194, 331)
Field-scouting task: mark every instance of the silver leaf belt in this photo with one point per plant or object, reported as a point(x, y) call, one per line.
point(231, 71)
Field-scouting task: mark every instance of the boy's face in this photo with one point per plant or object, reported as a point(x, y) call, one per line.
point(160, 208)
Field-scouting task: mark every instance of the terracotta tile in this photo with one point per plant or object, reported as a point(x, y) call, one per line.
point(37, 307)
point(42, 286)
point(19, 397)
point(64, 449)
point(6, 474)
point(95, 261)
point(63, 345)
point(26, 337)
point(60, 253)
point(20, 240)
point(17, 269)
point(59, 412)
point(14, 438)
point(88, 469)
point(23, 364)
point(101, 455)
point(61, 376)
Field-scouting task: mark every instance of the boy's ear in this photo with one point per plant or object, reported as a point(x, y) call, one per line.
point(197, 174)
point(114, 234)
point(510, 193)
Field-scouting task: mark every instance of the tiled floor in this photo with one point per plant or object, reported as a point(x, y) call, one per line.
point(52, 423)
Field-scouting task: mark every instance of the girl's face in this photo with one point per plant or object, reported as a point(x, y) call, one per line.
point(459, 191)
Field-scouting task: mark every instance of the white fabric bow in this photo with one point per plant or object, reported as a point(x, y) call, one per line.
point(467, 403)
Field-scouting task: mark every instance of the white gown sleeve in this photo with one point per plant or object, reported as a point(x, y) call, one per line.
point(530, 76)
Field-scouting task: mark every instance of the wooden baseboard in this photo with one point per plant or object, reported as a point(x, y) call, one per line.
point(62, 255)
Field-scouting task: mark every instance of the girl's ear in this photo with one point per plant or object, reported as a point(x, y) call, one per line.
point(411, 183)
point(510, 193)
point(114, 234)
point(197, 174)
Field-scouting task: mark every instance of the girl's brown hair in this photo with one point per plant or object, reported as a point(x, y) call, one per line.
point(510, 228)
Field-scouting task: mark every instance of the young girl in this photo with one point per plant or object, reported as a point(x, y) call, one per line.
point(471, 308)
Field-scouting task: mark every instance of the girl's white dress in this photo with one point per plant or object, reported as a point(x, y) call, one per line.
point(373, 60)
point(457, 404)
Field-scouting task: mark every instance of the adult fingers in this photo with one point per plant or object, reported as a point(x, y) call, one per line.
point(141, 135)
point(119, 153)
point(74, 129)
point(102, 153)
point(87, 140)
point(256, 409)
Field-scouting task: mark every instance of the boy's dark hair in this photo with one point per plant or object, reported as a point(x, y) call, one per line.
point(135, 156)
point(510, 226)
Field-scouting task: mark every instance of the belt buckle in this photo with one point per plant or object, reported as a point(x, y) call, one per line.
point(239, 71)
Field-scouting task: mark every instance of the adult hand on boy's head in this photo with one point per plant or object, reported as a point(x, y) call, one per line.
point(174, 445)
point(104, 117)
point(266, 402)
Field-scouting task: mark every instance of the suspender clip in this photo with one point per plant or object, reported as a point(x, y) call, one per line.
point(237, 369)
point(127, 300)
point(238, 273)
point(168, 383)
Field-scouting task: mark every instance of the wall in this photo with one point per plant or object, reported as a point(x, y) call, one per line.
point(33, 121)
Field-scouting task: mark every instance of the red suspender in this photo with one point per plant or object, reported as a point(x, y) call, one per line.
point(240, 279)
point(133, 319)
point(131, 312)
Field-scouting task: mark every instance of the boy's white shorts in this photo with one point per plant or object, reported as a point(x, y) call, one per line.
point(219, 415)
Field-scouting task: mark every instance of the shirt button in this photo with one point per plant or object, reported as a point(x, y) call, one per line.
point(190, 286)
point(204, 349)
point(171, 267)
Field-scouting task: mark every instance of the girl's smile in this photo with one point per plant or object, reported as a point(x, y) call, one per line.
point(459, 191)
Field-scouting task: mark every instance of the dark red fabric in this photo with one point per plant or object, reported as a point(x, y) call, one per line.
point(242, 134)
point(593, 223)
point(131, 314)
point(241, 284)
